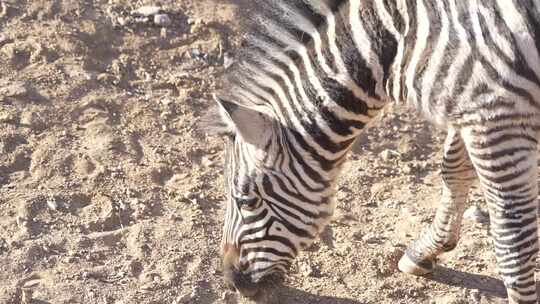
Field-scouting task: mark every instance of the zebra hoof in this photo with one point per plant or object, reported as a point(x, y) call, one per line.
point(407, 265)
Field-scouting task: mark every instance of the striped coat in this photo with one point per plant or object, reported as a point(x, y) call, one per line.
point(314, 72)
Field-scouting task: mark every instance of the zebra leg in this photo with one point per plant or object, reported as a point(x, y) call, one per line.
point(506, 163)
point(443, 234)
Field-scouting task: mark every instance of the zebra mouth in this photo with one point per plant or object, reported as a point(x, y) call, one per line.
point(241, 282)
point(251, 287)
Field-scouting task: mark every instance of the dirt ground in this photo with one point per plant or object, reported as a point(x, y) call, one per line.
point(109, 194)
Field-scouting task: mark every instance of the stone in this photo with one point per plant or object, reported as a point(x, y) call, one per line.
point(4, 39)
point(106, 78)
point(27, 296)
point(7, 117)
point(228, 297)
point(14, 89)
point(162, 20)
point(207, 161)
point(475, 296)
point(407, 169)
point(123, 21)
point(148, 10)
point(52, 204)
point(228, 60)
point(370, 238)
point(196, 53)
point(33, 120)
point(450, 299)
point(3, 9)
point(387, 154)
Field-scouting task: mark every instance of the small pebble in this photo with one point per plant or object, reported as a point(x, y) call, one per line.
point(162, 20)
point(370, 238)
point(123, 21)
point(3, 39)
point(148, 10)
point(3, 9)
point(6, 118)
point(207, 161)
point(387, 154)
point(186, 298)
point(228, 60)
point(33, 121)
point(228, 296)
point(476, 296)
point(14, 89)
point(22, 221)
point(407, 169)
point(448, 299)
point(26, 296)
point(166, 101)
point(196, 53)
point(163, 33)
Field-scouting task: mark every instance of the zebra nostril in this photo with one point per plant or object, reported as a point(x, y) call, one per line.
point(233, 275)
point(241, 282)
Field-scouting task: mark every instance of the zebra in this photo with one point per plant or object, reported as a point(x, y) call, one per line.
point(311, 75)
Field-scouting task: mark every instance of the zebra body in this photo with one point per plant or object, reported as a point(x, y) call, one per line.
point(315, 72)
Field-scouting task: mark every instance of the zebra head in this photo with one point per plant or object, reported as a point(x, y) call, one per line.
point(271, 212)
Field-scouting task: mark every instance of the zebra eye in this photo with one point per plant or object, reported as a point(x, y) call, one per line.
point(248, 203)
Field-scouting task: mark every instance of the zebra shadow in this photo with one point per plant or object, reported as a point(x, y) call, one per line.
point(488, 286)
point(288, 294)
point(293, 295)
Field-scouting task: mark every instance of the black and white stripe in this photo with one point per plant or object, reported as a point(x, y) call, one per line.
point(315, 72)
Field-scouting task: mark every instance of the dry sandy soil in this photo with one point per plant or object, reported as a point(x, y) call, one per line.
point(109, 194)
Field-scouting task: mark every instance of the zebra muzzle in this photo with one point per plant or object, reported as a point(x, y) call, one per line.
point(241, 282)
point(234, 278)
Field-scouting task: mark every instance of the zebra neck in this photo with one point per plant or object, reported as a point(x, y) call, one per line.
point(344, 73)
point(322, 69)
point(348, 65)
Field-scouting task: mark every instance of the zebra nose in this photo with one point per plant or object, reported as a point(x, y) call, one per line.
point(241, 282)
point(234, 278)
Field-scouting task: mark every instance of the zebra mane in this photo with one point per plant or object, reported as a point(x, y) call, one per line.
point(266, 26)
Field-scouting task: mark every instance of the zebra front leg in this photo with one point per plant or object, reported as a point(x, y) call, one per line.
point(506, 163)
point(443, 234)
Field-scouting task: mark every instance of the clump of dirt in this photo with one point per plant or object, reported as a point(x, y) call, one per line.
point(108, 194)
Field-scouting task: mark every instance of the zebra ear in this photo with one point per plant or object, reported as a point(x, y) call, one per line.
point(251, 125)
